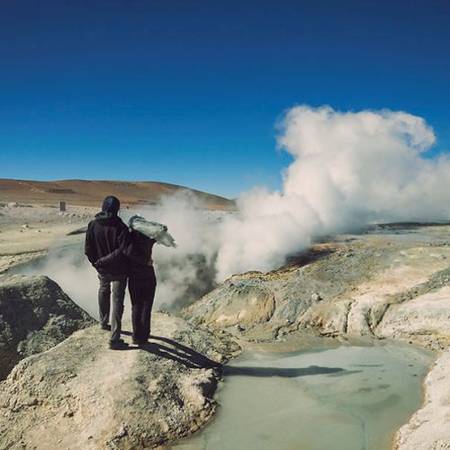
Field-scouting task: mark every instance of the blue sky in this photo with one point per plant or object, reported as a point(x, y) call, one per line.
point(188, 92)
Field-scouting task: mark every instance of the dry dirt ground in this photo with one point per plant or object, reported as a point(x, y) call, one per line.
point(27, 231)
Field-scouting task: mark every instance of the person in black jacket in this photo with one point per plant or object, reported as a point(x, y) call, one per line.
point(106, 238)
point(141, 284)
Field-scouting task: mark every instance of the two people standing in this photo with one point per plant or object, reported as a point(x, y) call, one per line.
point(120, 254)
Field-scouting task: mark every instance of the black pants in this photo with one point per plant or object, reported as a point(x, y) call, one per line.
point(119, 283)
point(142, 287)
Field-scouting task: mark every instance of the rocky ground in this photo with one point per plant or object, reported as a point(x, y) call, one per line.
point(81, 395)
point(390, 285)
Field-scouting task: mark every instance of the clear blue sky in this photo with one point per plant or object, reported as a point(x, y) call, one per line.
point(189, 91)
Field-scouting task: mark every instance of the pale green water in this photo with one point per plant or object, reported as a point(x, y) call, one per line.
point(271, 401)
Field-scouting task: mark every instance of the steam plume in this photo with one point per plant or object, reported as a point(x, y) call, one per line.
point(348, 169)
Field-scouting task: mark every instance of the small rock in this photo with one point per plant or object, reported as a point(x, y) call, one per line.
point(122, 432)
point(315, 297)
point(68, 413)
point(32, 402)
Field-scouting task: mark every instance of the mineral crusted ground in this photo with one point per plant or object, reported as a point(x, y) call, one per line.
point(390, 285)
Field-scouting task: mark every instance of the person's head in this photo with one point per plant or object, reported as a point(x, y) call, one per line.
point(111, 205)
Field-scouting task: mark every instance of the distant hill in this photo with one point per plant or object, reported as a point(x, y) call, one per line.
point(91, 193)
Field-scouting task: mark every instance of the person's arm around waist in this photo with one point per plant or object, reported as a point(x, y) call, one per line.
point(111, 258)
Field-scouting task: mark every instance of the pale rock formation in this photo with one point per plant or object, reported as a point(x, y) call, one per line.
point(429, 427)
point(81, 395)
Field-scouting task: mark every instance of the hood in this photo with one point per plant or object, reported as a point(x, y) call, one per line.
point(111, 205)
point(105, 216)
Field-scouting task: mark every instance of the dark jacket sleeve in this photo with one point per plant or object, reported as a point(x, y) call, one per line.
point(123, 241)
point(89, 247)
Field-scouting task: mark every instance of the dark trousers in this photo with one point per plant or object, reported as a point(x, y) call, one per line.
point(142, 293)
point(119, 284)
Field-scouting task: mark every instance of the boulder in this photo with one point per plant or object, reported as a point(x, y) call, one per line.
point(82, 395)
point(35, 315)
point(239, 303)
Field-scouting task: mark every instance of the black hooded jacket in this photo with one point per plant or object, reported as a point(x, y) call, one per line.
point(107, 236)
point(137, 250)
point(139, 254)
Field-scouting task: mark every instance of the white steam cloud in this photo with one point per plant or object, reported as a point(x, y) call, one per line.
point(348, 169)
point(186, 272)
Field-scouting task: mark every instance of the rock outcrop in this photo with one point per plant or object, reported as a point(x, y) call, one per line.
point(240, 303)
point(424, 319)
point(35, 315)
point(81, 395)
point(373, 288)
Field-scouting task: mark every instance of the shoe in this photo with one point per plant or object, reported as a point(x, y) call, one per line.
point(105, 327)
point(118, 345)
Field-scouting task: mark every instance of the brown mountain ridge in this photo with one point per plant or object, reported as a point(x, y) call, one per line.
point(92, 192)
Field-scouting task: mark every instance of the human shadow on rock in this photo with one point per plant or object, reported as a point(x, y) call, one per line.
point(179, 353)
